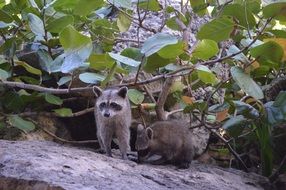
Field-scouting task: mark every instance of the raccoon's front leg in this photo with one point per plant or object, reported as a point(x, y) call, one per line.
point(123, 136)
point(102, 148)
point(106, 139)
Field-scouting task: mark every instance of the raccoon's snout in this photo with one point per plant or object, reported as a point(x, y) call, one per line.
point(106, 114)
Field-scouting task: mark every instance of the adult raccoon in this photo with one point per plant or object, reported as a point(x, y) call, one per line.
point(113, 118)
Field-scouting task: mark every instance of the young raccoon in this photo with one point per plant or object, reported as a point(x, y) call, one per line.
point(171, 140)
point(113, 118)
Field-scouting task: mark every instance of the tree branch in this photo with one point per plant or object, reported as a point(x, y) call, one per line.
point(161, 114)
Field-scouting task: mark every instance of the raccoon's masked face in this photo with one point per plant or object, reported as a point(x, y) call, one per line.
point(111, 102)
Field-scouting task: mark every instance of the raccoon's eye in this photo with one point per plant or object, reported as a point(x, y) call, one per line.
point(115, 106)
point(102, 105)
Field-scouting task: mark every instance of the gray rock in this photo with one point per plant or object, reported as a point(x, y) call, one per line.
point(47, 165)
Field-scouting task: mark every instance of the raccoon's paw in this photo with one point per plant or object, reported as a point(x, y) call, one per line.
point(184, 165)
point(100, 151)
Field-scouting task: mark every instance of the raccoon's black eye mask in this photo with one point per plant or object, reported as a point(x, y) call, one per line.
point(115, 106)
point(112, 105)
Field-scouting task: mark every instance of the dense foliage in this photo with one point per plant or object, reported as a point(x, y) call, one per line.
point(74, 39)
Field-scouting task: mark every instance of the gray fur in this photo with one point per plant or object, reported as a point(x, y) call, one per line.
point(118, 121)
point(171, 140)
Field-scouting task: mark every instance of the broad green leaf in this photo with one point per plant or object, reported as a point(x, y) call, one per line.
point(205, 49)
point(252, 5)
point(171, 23)
point(235, 125)
point(133, 53)
point(268, 52)
point(124, 60)
point(157, 42)
point(206, 75)
point(48, 64)
point(241, 57)
point(199, 7)
point(84, 7)
point(151, 5)
point(135, 96)
point(275, 115)
point(280, 101)
point(57, 25)
point(242, 14)
point(100, 61)
point(64, 80)
point(52, 99)
point(29, 68)
point(217, 30)
point(278, 33)
point(246, 83)
point(63, 112)
point(172, 51)
point(77, 48)
point(36, 25)
point(91, 78)
point(3, 74)
point(121, 3)
point(123, 22)
point(154, 62)
point(12, 101)
point(20, 123)
point(276, 10)
point(5, 17)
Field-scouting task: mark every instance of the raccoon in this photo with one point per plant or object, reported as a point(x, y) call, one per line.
point(171, 140)
point(113, 118)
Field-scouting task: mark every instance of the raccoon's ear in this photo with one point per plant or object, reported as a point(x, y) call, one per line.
point(97, 91)
point(122, 91)
point(140, 127)
point(149, 133)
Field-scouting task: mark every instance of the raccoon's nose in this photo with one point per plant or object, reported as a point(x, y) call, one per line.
point(106, 114)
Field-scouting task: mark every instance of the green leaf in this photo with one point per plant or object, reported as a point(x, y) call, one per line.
point(157, 42)
point(151, 5)
point(154, 62)
point(246, 110)
point(57, 25)
point(199, 7)
point(246, 83)
point(21, 124)
point(91, 78)
point(52, 99)
point(124, 60)
point(123, 22)
point(77, 48)
point(48, 64)
point(171, 23)
point(217, 30)
point(241, 57)
point(276, 10)
point(4, 74)
point(205, 49)
point(121, 3)
point(5, 17)
point(133, 53)
point(242, 14)
point(63, 112)
point(206, 75)
point(36, 25)
point(235, 125)
point(64, 80)
point(275, 115)
point(135, 96)
point(278, 33)
point(172, 51)
point(29, 68)
point(84, 7)
point(100, 61)
point(268, 52)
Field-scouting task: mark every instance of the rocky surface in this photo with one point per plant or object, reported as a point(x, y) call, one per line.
point(47, 165)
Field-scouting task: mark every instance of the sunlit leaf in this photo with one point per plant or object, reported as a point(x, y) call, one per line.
point(135, 96)
point(63, 112)
point(22, 124)
point(205, 49)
